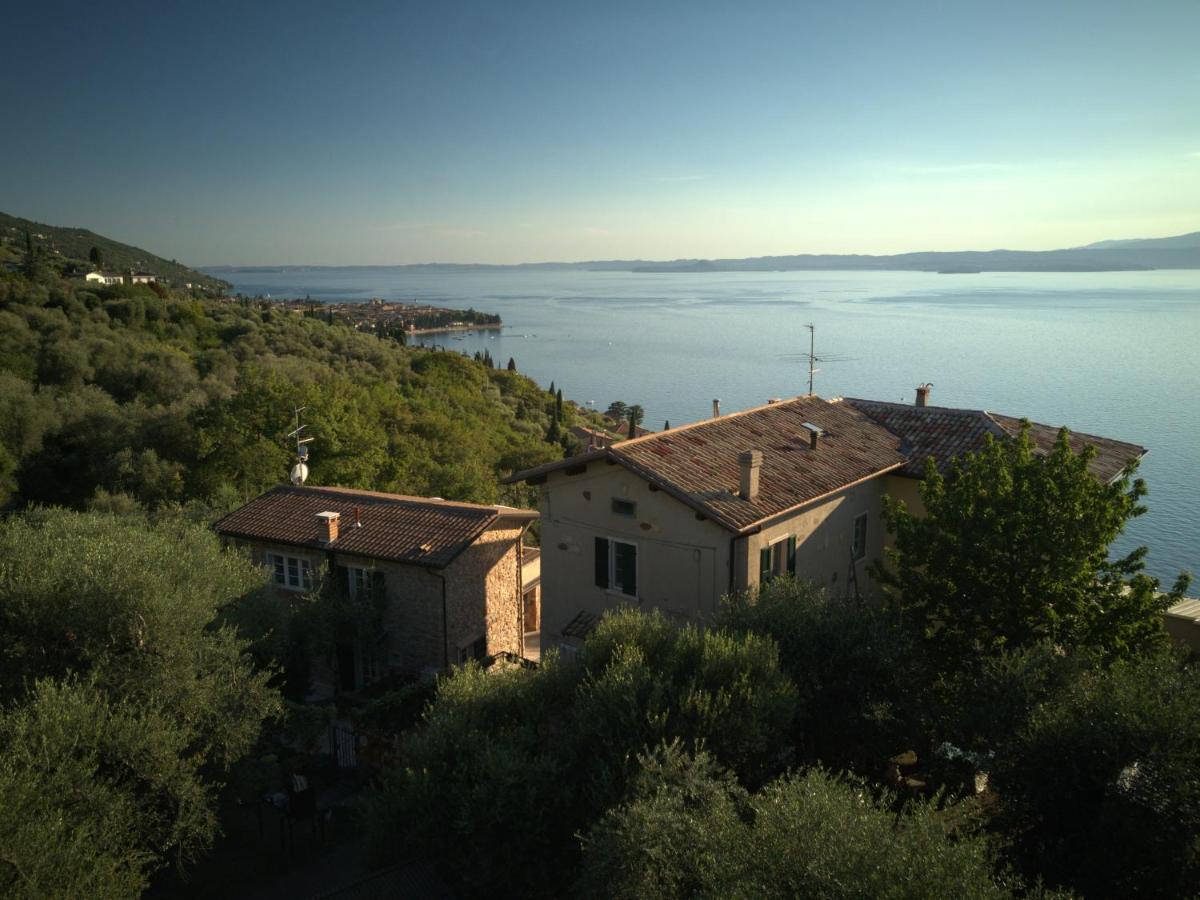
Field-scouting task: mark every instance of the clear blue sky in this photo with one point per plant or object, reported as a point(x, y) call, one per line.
point(357, 133)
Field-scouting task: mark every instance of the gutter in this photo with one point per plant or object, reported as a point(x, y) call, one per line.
point(445, 624)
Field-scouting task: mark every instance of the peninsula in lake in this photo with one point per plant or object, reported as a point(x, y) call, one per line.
point(1179, 252)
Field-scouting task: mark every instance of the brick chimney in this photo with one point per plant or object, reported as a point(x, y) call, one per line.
point(327, 527)
point(923, 393)
point(716, 409)
point(749, 464)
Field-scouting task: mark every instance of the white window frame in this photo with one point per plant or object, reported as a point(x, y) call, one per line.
point(359, 581)
point(855, 551)
point(292, 573)
point(613, 587)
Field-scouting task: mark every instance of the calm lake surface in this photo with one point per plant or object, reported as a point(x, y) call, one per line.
point(1115, 353)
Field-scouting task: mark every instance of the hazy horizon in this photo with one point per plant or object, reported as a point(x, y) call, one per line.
point(386, 134)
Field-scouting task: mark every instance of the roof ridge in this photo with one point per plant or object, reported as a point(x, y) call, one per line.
point(386, 495)
point(899, 404)
point(711, 419)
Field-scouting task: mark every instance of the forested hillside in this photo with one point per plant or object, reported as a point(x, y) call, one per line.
point(129, 390)
point(62, 246)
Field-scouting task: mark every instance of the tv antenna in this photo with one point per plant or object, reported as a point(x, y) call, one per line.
point(811, 356)
point(300, 469)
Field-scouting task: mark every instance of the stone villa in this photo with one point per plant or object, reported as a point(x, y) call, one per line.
point(447, 576)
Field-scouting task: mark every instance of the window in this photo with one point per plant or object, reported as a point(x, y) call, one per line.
point(291, 572)
point(477, 649)
point(361, 583)
point(624, 507)
point(616, 566)
point(777, 559)
point(859, 545)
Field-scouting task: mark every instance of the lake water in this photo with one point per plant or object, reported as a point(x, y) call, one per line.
point(1115, 353)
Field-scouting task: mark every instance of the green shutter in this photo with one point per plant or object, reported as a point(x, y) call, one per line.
point(625, 568)
point(764, 565)
point(791, 555)
point(601, 562)
point(342, 574)
point(378, 587)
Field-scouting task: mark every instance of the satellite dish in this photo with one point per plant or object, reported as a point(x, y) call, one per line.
point(299, 473)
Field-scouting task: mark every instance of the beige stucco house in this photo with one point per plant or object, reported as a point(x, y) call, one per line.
point(677, 519)
point(446, 576)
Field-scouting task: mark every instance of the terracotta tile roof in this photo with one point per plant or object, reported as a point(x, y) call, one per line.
point(698, 463)
point(416, 530)
point(943, 433)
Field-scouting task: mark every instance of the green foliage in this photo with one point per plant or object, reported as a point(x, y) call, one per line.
point(855, 669)
point(1100, 786)
point(1013, 550)
point(507, 766)
point(94, 792)
point(689, 830)
point(126, 699)
point(170, 399)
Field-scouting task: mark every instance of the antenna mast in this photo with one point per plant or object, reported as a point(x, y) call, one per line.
point(300, 470)
point(812, 358)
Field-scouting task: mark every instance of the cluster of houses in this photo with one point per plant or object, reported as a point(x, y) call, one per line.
point(98, 277)
point(672, 520)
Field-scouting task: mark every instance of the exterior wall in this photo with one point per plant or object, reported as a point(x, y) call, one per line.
point(483, 599)
point(824, 535)
point(484, 594)
point(908, 490)
point(531, 575)
point(683, 562)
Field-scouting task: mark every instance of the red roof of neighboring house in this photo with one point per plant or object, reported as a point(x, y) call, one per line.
point(417, 530)
point(698, 463)
point(943, 433)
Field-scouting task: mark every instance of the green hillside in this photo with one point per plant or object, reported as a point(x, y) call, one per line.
point(162, 398)
point(65, 247)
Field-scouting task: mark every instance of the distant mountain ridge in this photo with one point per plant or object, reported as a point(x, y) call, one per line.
point(74, 244)
point(1179, 241)
point(1180, 252)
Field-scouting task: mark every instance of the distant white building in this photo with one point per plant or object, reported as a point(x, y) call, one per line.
point(104, 278)
point(142, 278)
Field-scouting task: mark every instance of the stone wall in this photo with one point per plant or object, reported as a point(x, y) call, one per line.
point(484, 594)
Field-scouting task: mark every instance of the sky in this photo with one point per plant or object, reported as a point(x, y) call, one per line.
point(354, 133)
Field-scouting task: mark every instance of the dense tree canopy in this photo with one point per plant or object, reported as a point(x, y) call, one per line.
point(125, 699)
point(508, 766)
point(1013, 549)
point(689, 829)
point(171, 399)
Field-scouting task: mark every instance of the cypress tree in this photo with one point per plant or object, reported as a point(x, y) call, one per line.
point(512, 364)
point(558, 405)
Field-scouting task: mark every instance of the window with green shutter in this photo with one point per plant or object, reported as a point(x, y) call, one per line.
point(616, 565)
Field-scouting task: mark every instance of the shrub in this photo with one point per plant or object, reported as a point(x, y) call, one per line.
point(689, 830)
point(1100, 789)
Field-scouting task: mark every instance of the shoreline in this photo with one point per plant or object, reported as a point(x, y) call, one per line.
point(448, 329)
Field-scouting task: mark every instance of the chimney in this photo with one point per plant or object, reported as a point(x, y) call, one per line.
point(716, 409)
point(923, 393)
point(358, 517)
point(327, 527)
point(814, 433)
point(749, 463)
